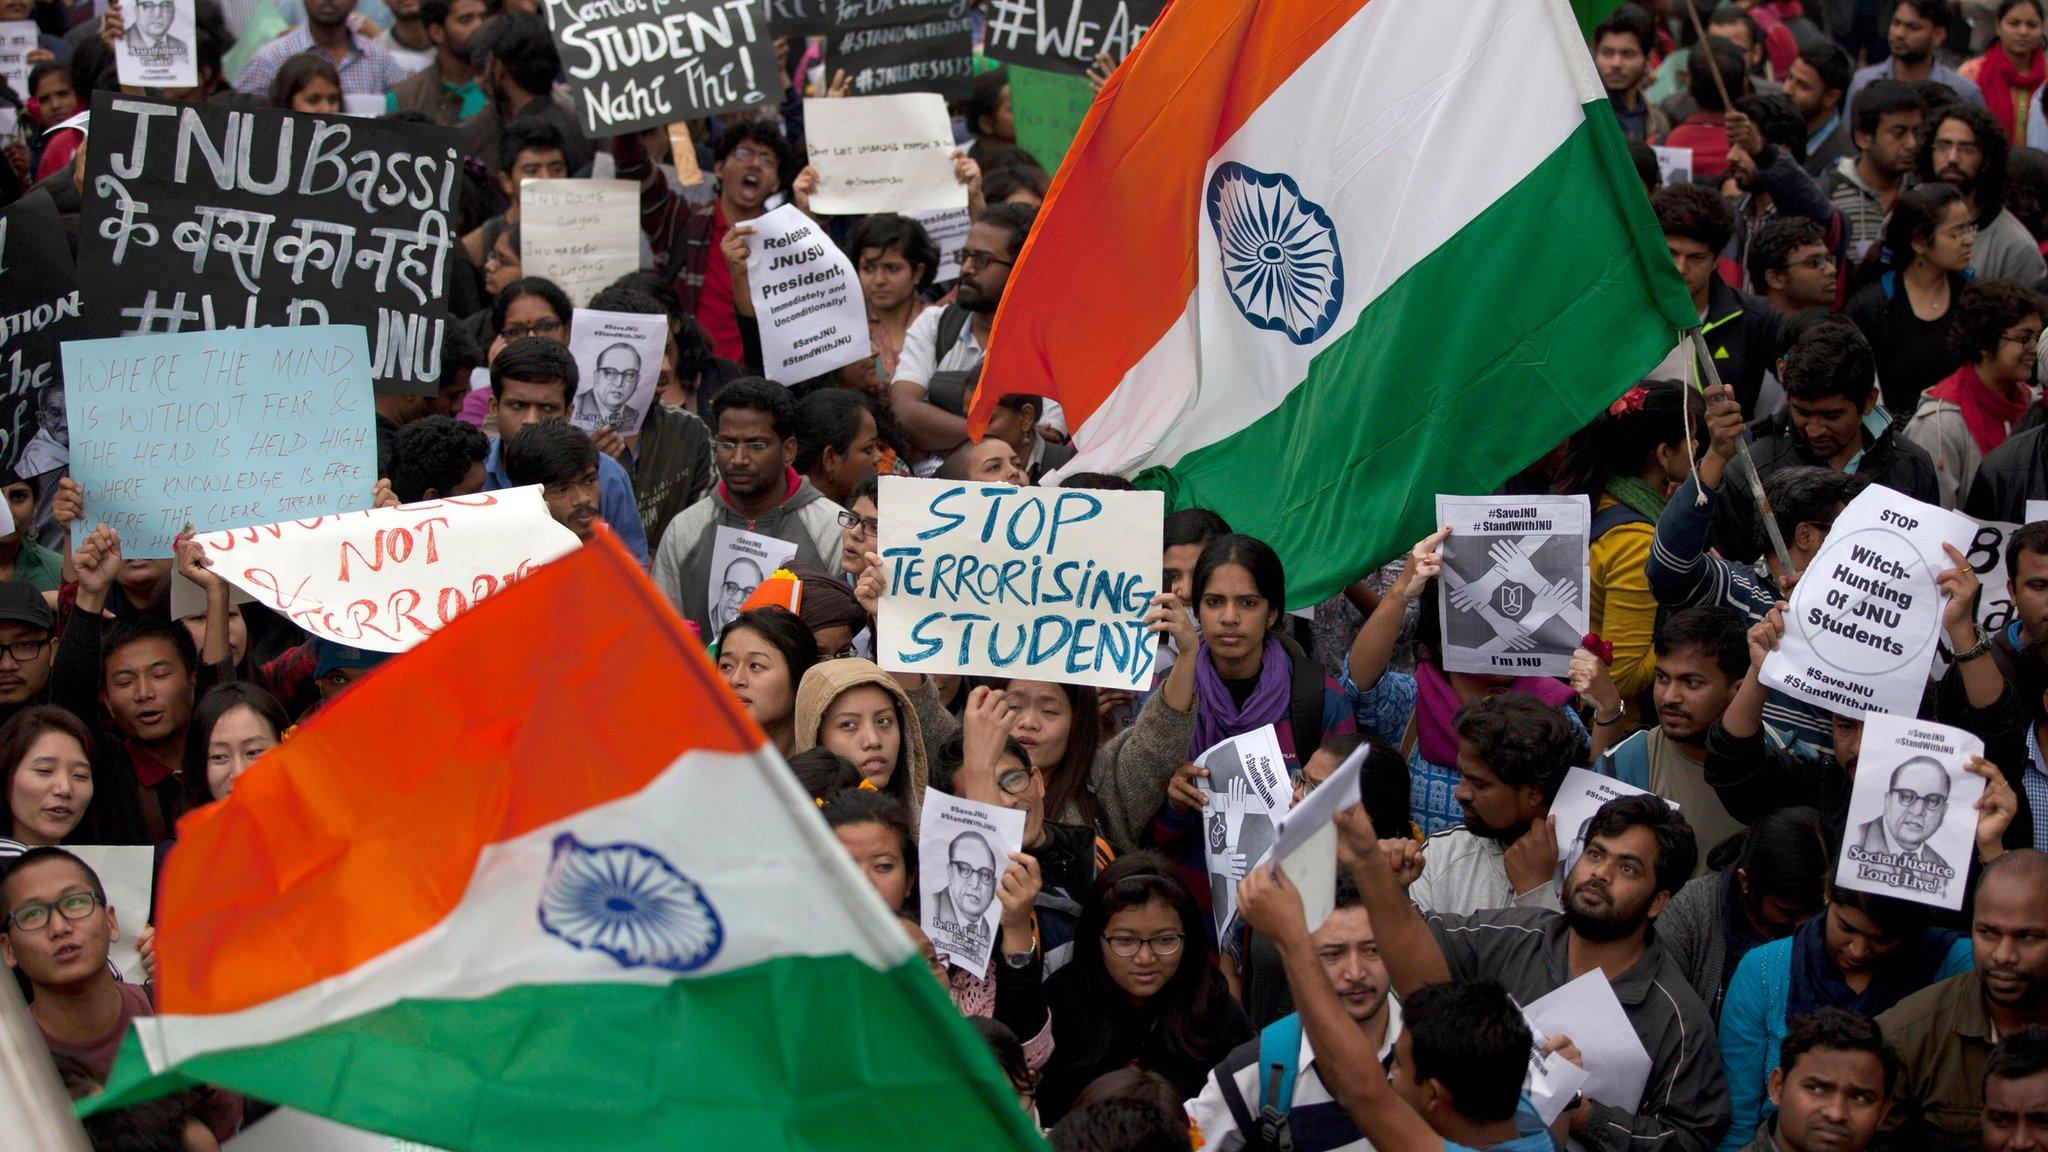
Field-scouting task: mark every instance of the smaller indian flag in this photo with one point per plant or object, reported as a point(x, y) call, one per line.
point(545, 886)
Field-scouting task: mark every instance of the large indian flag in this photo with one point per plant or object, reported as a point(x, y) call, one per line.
point(541, 884)
point(1312, 262)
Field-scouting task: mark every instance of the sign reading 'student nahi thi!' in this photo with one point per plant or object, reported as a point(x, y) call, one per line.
point(640, 64)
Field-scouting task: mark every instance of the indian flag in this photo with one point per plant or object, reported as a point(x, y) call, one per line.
point(540, 883)
point(1312, 262)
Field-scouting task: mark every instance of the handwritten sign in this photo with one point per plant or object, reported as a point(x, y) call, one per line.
point(39, 310)
point(1037, 583)
point(1986, 555)
point(1912, 822)
point(1515, 589)
point(1866, 616)
point(156, 50)
point(640, 64)
point(882, 154)
point(579, 234)
point(813, 316)
point(17, 40)
point(934, 55)
point(963, 849)
point(1066, 35)
point(1048, 108)
point(388, 578)
point(799, 17)
point(205, 216)
point(218, 430)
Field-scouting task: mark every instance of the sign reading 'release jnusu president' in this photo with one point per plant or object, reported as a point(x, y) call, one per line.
point(206, 216)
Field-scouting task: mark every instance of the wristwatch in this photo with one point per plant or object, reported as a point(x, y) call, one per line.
point(1982, 646)
point(1018, 959)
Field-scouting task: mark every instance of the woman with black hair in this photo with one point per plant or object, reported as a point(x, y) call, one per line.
point(233, 725)
point(763, 655)
point(897, 263)
point(1908, 289)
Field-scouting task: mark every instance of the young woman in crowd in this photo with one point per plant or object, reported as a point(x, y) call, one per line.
point(897, 262)
point(47, 757)
point(1764, 881)
point(233, 725)
point(307, 83)
point(1142, 989)
point(1909, 287)
point(861, 713)
point(858, 521)
point(2012, 70)
point(763, 655)
point(502, 263)
point(1996, 331)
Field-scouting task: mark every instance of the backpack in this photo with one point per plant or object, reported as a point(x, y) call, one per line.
point(1279, 1049)
point(948, 389)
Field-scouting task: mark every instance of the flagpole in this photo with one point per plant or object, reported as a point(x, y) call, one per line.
point(1746, 464)
point(29, 1088)
point(1713, 69)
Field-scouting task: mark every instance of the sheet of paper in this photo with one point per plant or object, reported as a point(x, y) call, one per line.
point(1248, 792)
point(39, 284)
point(17, 40)
point(2037, 510)
point(1674, 165)
point(1552, 1080)
point(740, 560)
point(882, 154)
point(128, 873)
point(806, 297)
point(682, 151)
point(1866, 616)
point(1617, 1065)
point(1033, 583)
point(580, 234)
point(156, 50)
point(1516, 589)
point(963, 849)
point(618, 360)
point(362, 104)
point(1912, 823)
point(948, 231)
point(1305, 839)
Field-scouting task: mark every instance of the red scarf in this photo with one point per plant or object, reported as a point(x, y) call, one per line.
point(2005, 87)
point(1989, 417)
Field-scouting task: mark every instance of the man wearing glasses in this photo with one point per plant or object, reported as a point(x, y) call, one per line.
point(1913, 811)
point(970, 889)
point(149, 40)
point(25, 648)
point(608, 402)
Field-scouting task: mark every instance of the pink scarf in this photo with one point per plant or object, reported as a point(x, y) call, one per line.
point(1436, 706)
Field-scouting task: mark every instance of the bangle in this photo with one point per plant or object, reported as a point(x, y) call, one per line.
point(1620, 711)
point(1982, 646)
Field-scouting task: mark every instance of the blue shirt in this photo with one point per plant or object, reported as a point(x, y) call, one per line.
point(614, 496)
point(1534, 1137)
point(1887, 69)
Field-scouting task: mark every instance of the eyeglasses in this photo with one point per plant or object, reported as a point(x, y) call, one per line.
point(537, 328)
point(844, 652)
point(2024, 339)
point(966, 873)
point(1925, 802)
point(746, 155)
point(32, 917)
point(1014, 781)
point(24, 651)
point(868, 525)
point(1163, 945)
point(970, 260)
point(1303, 782)
point(731, 447)
point(1813, 263)
point(1960, 231)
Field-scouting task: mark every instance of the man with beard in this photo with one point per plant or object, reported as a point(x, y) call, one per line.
point(1765, 143)
point(563, 461)
point(944, 345)
point(1962, 145)
point(1513, 752)
point(1638, 852)
point(1919, 29)
point(447, 91)
point(1227, 1111)
point(1818, 86)
point(1945, 1032)
point(1831, 1087)
point(1622, 45)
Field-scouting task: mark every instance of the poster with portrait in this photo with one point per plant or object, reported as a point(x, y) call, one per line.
point(1516, 588)
point(618, 365)
point(156, 50)
point(1913, 815)
point(740, 560)
point(1248, 793)
point(963, 849)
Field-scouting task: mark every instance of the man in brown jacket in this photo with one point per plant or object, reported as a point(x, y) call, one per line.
point(448, 91)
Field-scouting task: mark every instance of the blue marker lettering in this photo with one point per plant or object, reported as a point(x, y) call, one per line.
point(1086, 508)
point(955, 518)
point(932, 646)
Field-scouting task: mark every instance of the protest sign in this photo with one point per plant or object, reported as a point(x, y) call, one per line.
point(948, 232)
point(800, 17)
point(1047, 108)
point(1674, 165)
point(1066, 35)
point(128, 873)
point(1912, 821)
point(1248, 791)
point(1305, 839)
point(1986, 555)
point(935, 55)
point(1865, 615)
point(17, 40)
point(156, 50)
point(806, 297)
point(388, 578)
point(618, 362)
point(1034, 583)
point(740, 560)
point(963, 849)
point(204, 216)
point(1587, 1011)
point(1579, 796)
point(579, 234)
point(640, 64)
point(218, 430)
point(1553, 1081)
point(882, 154)
point(39, 310)
point(1515, 589)
point(189, 599)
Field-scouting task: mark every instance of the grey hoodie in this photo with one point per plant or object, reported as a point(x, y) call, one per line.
point(682, 565)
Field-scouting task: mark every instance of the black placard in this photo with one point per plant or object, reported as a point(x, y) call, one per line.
point(39, 310)
point(640, 64)
point(799, 17)
point(202, 216)
point(1065, 35)
point(926, 56)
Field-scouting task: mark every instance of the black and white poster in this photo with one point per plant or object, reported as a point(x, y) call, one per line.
point(1249, 792)
point(807, 298)
point(618, 362)
point(1913, 815)
point(156, 50)
point(1515, 586)
point(39, 310)
point(640, 64)
point(206, 216)
point(935, 55)
point(1066, 35)
point(963, 849)
point(740, 561)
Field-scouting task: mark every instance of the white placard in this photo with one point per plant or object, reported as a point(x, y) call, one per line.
point(1579, 796)
point(1674, 165)
point(1035, 583)
point(809, 303)
point(580, 234)
point(1552, 1080)
point(1248, 792)
point(882, 154)
point(1587, 1011)
point(1986, 555)
point(17, 40)
point(1912, 821)
point(740, 560)
point(2036, 510)
point(156, 50)
point(1516, 587)
point(1305, 838)
point(1865, 615)
point(948, 231)
point(388, 578)
point(362, 105)
point(289, 1130)
point(128, 873)
point(963, 849)
point(618, 365)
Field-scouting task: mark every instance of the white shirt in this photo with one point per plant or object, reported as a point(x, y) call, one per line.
point(1212, 1115)
point(914, 365)
point(1463, 873)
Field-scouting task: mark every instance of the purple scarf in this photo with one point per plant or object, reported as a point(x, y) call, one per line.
point(1437, 704)
point(1217, 716)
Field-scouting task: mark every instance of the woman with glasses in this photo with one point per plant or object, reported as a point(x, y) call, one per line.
point(1905, 293)
point(763, 655)
point(48, 758)
point(529, 306)
point(860, 524)
point(1142, 989)
point(1996, 333)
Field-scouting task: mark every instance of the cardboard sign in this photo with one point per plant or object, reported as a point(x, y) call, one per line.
point(882, 154)
point(635, 66)
point(1248, 792)
point(618, 365)
point(740, 560)
point(1912, 823)
point(206, 216)
point(807, 298)
point(388, 578)
point(1516, 588)
point(948, 232)
point(1066, 35)
point(156, 50)
point(963, 849)
point(1033, 583)
point(935, 55)
point(218, 430)
point(579, 234)
point(1048, 108)
point(1865, 616)
point(39, 310)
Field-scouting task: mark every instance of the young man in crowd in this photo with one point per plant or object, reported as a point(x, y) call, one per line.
point(26, 634)
point(944, 345)
point(1832, 1085)
point(1920, 29)
point(366, 69)
point(1962, 145)
point(533, 379)
point(438, 457)
point(1704, 130)
point(2016, 1093)
point(669, 452)
point(1622, 46)
point(528, 149)
point(1741, 330)
point(561, 459)
point(516, 63)
point(1790, 261)
point(1885, 124)
point(447, 91)
point(1818, 85)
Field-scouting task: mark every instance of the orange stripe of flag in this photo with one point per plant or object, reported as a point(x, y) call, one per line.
point(574, 687)
point(1111, 259)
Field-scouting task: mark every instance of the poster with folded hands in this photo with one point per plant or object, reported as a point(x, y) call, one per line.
point(1248, 792)
point(1912, 822)
point(1516, 588)
point(882, 154)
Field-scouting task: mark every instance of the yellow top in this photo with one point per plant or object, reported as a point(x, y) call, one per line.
point(1623, 612)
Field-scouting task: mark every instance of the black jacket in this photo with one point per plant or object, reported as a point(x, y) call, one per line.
point(2012, 474)
point(1742, 334)
point(1135, 1037)
point(1888, 459)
